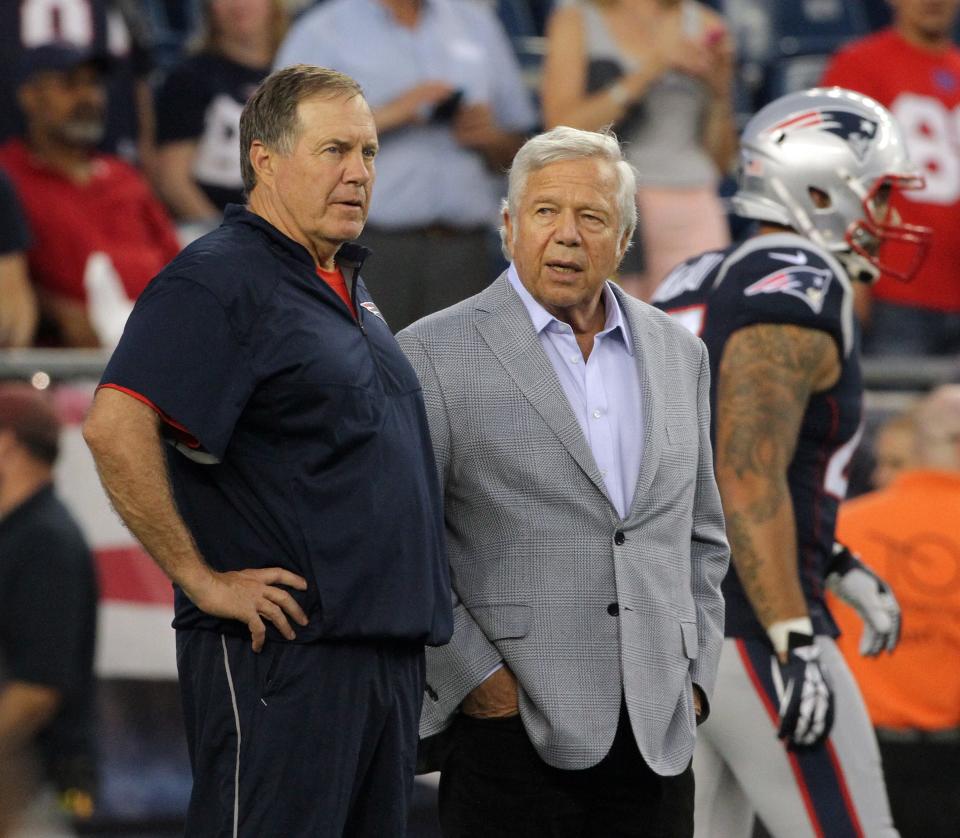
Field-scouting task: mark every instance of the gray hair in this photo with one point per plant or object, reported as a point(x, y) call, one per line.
point(270, 114)
point(563, 143)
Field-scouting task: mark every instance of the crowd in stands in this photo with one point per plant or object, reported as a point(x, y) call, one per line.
point(136, 129)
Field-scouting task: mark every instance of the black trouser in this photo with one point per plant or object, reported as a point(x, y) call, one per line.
point(923, 784)
point(495, 785)
point(301, 740)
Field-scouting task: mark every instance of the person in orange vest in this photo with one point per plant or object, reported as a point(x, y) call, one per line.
point(908, 533)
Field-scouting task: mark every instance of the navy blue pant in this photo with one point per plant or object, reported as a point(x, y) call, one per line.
point(313, 740)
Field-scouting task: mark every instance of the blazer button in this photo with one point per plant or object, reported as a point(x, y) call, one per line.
point(619, 537)
point(613, 609)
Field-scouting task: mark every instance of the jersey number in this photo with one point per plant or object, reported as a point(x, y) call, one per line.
point(42, 21)
point(690, 317)
point(931, 132)
point(837, 475)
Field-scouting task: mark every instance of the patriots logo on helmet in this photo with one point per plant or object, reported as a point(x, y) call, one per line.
point(857, 130)
point(803, 282)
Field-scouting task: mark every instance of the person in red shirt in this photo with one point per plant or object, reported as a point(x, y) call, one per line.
point(95, 225)
point(914, 69)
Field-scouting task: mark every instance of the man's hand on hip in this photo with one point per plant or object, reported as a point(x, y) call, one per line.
point(495, 698)
point(250, 597)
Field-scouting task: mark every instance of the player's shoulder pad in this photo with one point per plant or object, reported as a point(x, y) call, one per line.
point(785, 278)
point(689, 279)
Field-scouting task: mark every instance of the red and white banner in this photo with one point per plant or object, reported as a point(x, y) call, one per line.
point(134, 637)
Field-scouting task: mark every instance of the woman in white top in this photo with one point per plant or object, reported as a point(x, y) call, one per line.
point(661, 72)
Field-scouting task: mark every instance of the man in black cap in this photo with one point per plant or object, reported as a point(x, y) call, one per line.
point(109, 27)
point(48, 599)
point(99, 234)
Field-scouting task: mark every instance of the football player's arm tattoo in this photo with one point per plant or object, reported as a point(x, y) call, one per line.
point(767, 374)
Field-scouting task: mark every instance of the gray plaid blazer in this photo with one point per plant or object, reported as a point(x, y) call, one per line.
point(535, 557)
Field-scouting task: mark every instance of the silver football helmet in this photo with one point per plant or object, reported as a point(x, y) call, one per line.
point(828, 162)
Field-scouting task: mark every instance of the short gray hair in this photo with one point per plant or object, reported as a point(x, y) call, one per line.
point(270, 114)
point(564, 143)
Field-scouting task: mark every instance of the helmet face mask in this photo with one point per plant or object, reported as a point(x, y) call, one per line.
point(830, 163)
point(894, 247)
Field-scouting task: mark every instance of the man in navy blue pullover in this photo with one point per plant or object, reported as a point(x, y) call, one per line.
point(262, 434)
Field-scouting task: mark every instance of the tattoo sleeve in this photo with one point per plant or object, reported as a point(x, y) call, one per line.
point(767, 375)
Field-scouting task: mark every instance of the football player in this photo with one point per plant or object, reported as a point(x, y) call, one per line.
point(788, 737)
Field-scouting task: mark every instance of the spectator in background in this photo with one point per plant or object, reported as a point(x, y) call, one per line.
point(892, 449)
point(921, 317)
point(18, 305)
point(661, 71)
point(908, 533)
point(103, 27)
point(95, 224)
point(451, 109)
point(199, 105)
point(48, 600)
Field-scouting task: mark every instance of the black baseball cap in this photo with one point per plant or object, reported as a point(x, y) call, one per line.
point(59, 56)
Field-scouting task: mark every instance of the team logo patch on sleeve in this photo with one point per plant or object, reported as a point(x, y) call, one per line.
point(372, 308)
point(803, 282)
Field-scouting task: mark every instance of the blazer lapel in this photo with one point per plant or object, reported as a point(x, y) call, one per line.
point(648, 352)
point(508, 332)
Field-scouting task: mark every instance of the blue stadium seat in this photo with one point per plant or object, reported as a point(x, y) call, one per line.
point(783, 45)
point(812, 27)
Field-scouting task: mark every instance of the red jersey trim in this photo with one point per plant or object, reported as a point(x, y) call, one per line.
point(774, 715)
point(182, 432)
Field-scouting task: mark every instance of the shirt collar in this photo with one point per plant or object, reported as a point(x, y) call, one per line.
point(614, 326)
point(350, 255)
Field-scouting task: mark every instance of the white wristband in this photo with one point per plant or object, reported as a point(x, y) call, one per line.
point(779, 632)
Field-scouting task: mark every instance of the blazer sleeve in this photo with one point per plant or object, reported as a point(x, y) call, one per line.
point(709, 551)
point(455, 669)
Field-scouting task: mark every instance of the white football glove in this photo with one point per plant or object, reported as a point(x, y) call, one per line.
point(804, 694)
point(858, 586)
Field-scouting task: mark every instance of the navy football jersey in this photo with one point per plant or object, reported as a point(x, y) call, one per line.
point(783, 278)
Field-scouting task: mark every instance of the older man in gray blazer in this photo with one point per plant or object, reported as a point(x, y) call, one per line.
point(571, 429)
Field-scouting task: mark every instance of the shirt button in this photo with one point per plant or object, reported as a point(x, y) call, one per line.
point(613, 609)
point(574, 359)
point(619, 537)
point(597, 414)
